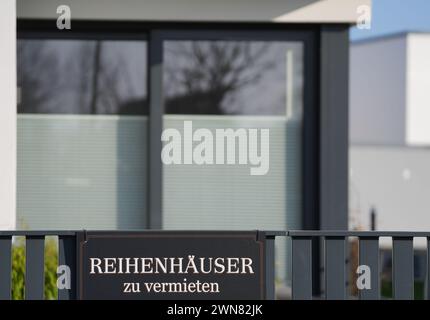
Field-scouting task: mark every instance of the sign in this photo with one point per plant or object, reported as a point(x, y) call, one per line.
point(175, 265)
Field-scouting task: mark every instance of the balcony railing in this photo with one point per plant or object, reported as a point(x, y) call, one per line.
point(334, 269)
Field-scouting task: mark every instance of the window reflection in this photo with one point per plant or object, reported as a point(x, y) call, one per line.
point(82, 77)
point(230, 77)
point(236, 85)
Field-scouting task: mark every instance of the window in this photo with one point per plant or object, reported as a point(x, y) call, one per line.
point(82, 130)
point(235, 84)
point(85, 122)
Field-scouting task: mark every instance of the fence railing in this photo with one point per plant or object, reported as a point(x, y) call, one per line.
point(334, 256)
point(35, 262)
point(334, 244)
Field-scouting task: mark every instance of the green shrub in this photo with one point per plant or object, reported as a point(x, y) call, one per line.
point(387, 289)
point(18, 269)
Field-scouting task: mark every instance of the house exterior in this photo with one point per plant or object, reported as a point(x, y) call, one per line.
point(388, 90)
point(389, 132)
point(390, 138)
point(84, 109)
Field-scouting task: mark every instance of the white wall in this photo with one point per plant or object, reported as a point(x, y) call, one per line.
point(200, 10)
point(389, 90)
point(393, 180)
point(418, 90)
point(378, 91)
point(7, 113)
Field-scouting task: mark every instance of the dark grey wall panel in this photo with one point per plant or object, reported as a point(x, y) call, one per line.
point(334, 50)
point(333, 134)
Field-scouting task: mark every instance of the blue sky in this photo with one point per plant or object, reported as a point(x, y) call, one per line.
point(392, 16)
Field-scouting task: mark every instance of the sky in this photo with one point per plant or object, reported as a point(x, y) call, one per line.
point(393, 16)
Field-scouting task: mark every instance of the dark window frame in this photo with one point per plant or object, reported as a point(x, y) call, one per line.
point(155, 34)
point(307, 36)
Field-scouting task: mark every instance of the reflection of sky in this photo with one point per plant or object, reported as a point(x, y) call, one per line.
point(267, 96)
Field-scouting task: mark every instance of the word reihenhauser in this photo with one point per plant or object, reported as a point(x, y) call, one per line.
point(171, 265)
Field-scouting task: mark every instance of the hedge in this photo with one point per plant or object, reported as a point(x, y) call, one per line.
point(18, 269)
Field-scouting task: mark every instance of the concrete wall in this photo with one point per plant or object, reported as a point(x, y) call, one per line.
point(7, 114)
point(199, 10)
point(378, 91)
point(418, 93)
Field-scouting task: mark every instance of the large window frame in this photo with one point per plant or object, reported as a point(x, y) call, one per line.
point(155, 34)
point(156, 102)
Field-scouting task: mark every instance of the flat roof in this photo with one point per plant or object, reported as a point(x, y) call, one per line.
point(278, 11)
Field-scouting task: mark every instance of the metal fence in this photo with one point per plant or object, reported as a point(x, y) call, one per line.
point(334, 256)
point(35, 262)
point(334, 244)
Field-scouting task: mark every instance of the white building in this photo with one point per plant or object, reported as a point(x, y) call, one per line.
point(389, 90)
point(390, 132)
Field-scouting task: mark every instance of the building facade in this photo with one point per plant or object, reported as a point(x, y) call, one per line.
point(390, 139)
point(389, 132)
point(388, 90)
point(84, 109)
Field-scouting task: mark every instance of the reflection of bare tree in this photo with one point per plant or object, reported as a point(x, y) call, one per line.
point(37, 71)
point(95, 78)
point(100, 78)
point(87, 77)
point(203, 75)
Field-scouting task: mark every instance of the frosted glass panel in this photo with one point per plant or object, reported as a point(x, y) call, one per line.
point(227, 196)
point(81, 171)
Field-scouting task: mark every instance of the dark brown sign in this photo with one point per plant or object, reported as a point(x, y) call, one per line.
point(173, 265)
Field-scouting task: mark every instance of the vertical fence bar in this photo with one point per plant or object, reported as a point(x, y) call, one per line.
point(5, 267)
point(403, 268)
point(335, 265)
point(34, 267)
point(67, 262)
point(369, 256)
point(301, 268)
point(270, 268)
point(427, 292)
